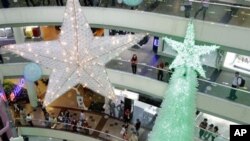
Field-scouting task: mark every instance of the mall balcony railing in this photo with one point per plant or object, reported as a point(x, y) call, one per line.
point(217, 12)
point(101, 135)
point(205, 85)
point(106, 136)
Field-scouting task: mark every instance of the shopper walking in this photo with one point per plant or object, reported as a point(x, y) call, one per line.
point(204, 7)
point(134, 63)
point(235, 84)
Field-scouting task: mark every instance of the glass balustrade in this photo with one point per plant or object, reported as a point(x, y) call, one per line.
point(105, 135)
point(217, 12)
point(216, 89)
point(68, 127)
point(205, 86)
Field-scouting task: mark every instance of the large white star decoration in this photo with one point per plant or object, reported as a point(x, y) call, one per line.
point(189, 53)
point(77, 57)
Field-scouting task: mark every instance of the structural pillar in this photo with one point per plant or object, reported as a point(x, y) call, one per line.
point(31, 89)
point(19, 35)
point(106, 32)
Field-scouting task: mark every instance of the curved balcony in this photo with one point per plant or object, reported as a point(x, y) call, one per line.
point(227, 12)
point(211, 96)
point(66, 131)
point(234, 39)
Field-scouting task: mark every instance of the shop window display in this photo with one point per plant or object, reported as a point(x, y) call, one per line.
point(237, 62)
point(32, 32)
point(6, 33)
point(14, 91)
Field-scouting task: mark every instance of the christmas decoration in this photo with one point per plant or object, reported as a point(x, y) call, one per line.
point(132, 2)
point(77, 57)
point(176, 118)
point(32, 72)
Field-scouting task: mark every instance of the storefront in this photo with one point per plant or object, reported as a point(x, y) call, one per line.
point(237, 62)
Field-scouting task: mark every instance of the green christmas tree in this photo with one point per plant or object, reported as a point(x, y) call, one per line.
point(176, 118)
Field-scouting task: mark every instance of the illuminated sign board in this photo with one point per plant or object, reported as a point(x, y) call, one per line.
point(237, 62)
point(17, 89)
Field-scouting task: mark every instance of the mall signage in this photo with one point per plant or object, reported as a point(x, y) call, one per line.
point(17, 90)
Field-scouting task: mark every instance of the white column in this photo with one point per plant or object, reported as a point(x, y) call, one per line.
point(106, 32)
point(19, 34)
point(31, 88)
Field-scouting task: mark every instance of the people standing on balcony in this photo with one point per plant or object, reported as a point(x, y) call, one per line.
point(29, 119)
point(215, 133)
point(82, 116)
point(235, 84)
point(208, 132)
point(22, 116)
point(127, 115)
point(188, 7)
point(73, 124)
point(204, 7)
point(54, 122)
point(134, 63)
point(202, 126)
point(160, 67)
point(120, 109)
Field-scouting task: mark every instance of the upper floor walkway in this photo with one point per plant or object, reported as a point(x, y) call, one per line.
point(165, 19)
point(211, 96)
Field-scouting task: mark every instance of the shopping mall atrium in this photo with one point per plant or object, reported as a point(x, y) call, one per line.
point(123, 70)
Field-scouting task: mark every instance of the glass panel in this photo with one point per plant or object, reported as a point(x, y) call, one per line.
point(205, 86)
point(219, 12)
point(105, 135)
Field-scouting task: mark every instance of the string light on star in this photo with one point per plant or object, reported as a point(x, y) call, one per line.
point(74, 57)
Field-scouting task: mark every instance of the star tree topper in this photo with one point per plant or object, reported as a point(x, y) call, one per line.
point(77, 57)
point(189, 53)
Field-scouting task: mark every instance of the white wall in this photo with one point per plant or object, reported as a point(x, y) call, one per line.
point(230, 36)
point(213, 105)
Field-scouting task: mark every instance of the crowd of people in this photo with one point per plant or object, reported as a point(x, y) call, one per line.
point(69, 121)
point(208, 131)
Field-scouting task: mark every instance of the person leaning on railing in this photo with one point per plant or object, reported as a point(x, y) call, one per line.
point(215, 133)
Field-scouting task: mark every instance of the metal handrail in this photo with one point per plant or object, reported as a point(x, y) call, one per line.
point(93, 130)
point(106, 134)
point(204, 80)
